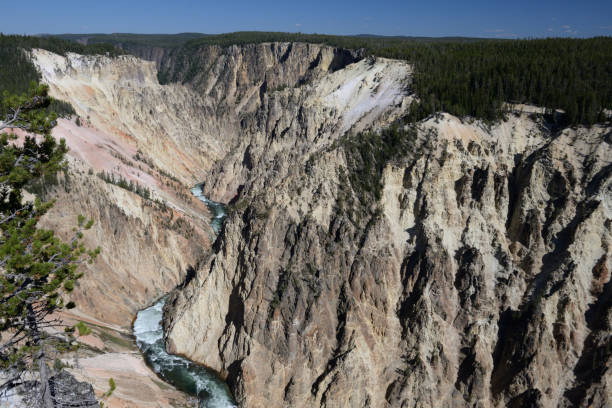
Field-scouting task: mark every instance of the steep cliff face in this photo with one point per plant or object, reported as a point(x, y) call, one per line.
point(121, 97)
point(185, 129)
point(292, 124)
point(165, 138)
point(271, 94)
point(480, 277)
point(232, 74)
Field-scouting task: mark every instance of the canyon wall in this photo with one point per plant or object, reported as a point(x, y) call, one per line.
point(481, 277)
point(165, 138)
point(131, 128)
point(460, 264)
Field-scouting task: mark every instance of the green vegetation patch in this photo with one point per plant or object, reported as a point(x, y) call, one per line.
point(367, 155)
point(119, 181)
point(82, 329)
point(128, 41)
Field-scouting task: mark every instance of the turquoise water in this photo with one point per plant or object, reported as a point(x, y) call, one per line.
point(185, 375)
point(178, 371)
point(218, 210)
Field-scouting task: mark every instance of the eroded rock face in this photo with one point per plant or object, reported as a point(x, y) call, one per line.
point(480, 278)
point(145, 250)
point(171, 125)
point(240, 75)
point(166, 138)
point(150, 135)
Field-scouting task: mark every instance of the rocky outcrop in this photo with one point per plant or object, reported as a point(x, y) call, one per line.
point(67, 392)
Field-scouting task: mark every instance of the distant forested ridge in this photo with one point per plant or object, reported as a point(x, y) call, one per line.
point(477, 78)
point(130, 41)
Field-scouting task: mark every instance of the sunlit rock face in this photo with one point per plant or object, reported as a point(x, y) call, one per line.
point(121, 97)
point(166, 138)
point(480, 277)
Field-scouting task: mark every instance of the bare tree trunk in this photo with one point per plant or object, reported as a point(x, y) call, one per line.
point(44, 381)
point(43, 370)
point(76, 358)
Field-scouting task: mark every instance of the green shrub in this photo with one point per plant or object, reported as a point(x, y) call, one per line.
point(82, 329)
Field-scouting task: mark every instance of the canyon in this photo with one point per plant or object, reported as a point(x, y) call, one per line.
point(468, 264)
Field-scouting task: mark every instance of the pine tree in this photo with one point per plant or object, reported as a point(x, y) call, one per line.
point(36, 268)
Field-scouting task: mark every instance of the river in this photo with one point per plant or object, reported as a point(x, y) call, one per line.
point(185, 375)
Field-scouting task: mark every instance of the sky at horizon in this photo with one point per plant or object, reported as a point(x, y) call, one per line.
point(433, 18)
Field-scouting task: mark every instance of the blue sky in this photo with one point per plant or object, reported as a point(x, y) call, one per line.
point(507, 19)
